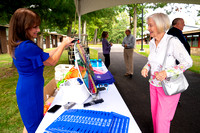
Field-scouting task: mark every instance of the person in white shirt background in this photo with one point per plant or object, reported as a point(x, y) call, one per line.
point(163, 107)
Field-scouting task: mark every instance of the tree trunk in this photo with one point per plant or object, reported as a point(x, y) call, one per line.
point(69, 30)
point(130, 19)
point(95, 37)
point(41, 40)
point(135, 22)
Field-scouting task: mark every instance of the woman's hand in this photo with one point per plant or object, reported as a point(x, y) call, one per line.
point(144, 72)
point(56, 53)
point(161, 75)
point(67, 41)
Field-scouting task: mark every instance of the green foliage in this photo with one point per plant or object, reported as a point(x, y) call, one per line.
point(130, 10)
point(139, 7)
point(8, 7)
point(154, 6)
point(101, 20)
point(117, 34)
point(55, 14)
point(45, 34)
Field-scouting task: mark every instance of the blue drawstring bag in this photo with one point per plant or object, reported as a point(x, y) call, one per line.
point(106, 78)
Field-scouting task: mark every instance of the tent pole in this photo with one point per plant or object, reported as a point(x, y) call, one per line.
point(79, 27)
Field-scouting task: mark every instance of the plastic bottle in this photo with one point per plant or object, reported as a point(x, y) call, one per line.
point(99, 63)
point(95, 63)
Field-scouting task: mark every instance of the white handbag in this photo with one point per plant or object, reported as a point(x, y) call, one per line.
point(176, 84)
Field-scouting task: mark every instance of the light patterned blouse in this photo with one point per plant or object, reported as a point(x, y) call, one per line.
point(176, 50)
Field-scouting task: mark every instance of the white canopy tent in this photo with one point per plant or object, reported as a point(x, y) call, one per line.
point(86, 6)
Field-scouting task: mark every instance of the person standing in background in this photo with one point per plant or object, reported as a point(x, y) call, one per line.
point(106, 48)
point(128, 44)
point(176, 30)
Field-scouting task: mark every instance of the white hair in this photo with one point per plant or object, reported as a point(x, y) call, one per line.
point(162, 21)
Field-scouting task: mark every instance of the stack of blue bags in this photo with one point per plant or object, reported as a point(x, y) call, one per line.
point(89, 121)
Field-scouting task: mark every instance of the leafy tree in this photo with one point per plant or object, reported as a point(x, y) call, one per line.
point(55, 14)
point(154, 6)
point(118, 29)
point(136, 9)
point(8, 7)
point(99, 21)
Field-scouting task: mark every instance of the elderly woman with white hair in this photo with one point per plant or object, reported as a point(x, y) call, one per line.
point(163, 107)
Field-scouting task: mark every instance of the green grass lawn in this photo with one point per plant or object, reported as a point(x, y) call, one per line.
point(93, 54)
point(10, 120)
point(196, 64)
point(146, 50)
point(99, 45)
point(196, 59)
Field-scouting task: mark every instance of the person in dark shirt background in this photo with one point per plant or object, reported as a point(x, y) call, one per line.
point(106, 48)
point(176, 30)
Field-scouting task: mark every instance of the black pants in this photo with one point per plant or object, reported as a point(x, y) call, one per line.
point(107, 59)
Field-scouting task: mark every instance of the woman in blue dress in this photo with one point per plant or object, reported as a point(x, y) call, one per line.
point(30, 60)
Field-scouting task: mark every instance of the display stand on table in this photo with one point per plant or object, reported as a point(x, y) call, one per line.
point(84, 66)
point(113, 102)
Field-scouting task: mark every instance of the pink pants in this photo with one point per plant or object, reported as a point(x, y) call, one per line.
point(162, 109)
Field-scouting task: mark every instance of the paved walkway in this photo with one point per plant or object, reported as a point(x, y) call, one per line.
point(135, 93)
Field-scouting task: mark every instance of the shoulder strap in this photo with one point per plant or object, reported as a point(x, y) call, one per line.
point(164, 61)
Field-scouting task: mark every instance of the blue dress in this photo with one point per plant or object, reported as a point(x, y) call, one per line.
point(29, 63)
